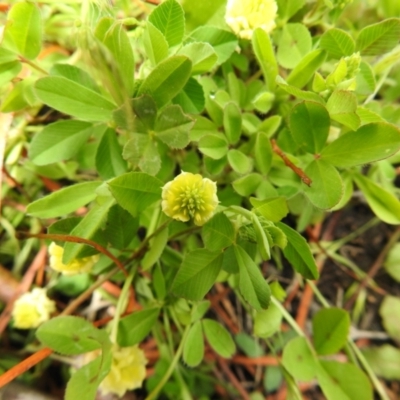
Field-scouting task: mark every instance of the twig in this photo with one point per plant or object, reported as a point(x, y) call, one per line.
point(235, 382)
point(298, 171)
point(74, 239)
point(375, 267)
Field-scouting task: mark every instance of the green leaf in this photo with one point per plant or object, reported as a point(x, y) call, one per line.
point(219, 338)
point(155, 249)
point(201, 128)
point(272, 209)
point(267, 322)
point(263, 241)
point(306, 68)
point(365, 80)
point(135, 327)
point(392, 262)
point(155, 44)
point(135, 191)
point(64, 201)
point(342, 107)
point(193, 348)
point(331, 327)
point(145, 110)
point(390, 314)
point(382, 202)
point(300, 94)
point(71, 335)
point(197, 274)
point(263, 153)
point(367, 116)
point(384, 361)
point(121, 227)
point(73, 73)
point(343, 381)
point(116, 40)
point(218, 232)
point(373, 142)
point(24, 29)
point(264, 53)
point(74, 99)
point(239, 161)
point(16, 99)
point(298, 253)
point(87, 227)
point(286, 9)
point(248, 184)
point(309, 123)
point(299, 359)
point(167, 79)
point(173, 126)
point(252, 285)
point(223, 42)
point(169, 19)
point(249, 345)
point(294, 44)
point(109, 161)
point(337, 43)
point(202, 55)
point(89, 376)
point(59, 141)
point(326, 188)
point(191, 97)
point(379, 38)
point(9, 70)
point(232, 122)
point(213, 146)
point(141, 151)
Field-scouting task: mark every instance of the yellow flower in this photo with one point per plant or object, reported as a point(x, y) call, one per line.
point(243, 16)
point(32, 309)
point(190, 196)
point(75, 266)
point(127, 370)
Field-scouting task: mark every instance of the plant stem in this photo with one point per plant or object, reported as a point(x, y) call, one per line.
point(33, 65)
point(123, 298)
point(378, 386)
point(287, 317)
point(163, 381)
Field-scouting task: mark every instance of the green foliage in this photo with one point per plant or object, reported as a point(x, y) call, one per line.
point(113, 102)
point(331, 329)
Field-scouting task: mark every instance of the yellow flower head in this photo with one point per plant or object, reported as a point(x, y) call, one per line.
point(76, 266)
point(127, 370)
point(190, 196)
point(32, 309)
point(243, 16)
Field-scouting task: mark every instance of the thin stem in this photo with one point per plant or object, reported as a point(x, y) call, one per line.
point(85, 295)
point(74, 239)
point(120, 305)
point(378, 386)
point(318, 294)
point(298, 171)
point(33, 65)
point(164, 380)
point(291, 321)
point(139, 252)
